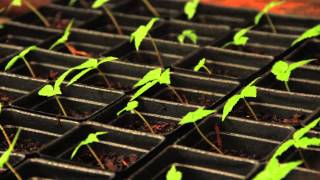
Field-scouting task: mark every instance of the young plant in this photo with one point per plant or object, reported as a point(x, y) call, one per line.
point(193, 117)
point(310, 33)
point(202, 64)
point(250, 91)
point(265, 12)
point(22, 55)
point(282, 70)
point(190, 8)
point(64, 38)
point(4, 159)
point(152, 78)
point(240, 38)
point(131, 107)
point(151, 8)
point(141, 33)
point(174, 174)
point(91, 138)
point(188, 33)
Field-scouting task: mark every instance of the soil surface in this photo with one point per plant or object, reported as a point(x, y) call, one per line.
point(24, 145)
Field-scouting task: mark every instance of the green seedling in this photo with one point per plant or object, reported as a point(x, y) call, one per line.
point(282, 70)
point(202, 64)
point(188, 33)
point(152, 78)
point(193, 117)
point(310, 33)
point(240, 38)
point(91, 138)
point(174, 174)
point(141, 33)
point(18, 3)
point(250, 91)
point(131, 107)
point(265, 12)
point(22, 55)
point(64, 38)
point(190, 8)
point(4, 159)
point(151, 8)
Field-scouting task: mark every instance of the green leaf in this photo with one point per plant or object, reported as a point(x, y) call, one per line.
point(64, 37)
point(301, 132)
point(201, 64)
point(130, 107)
point(16, 3)
point(79, 75)
point(72, 2)
point(49, 91)
point(305, 142)
point(298, 64)
point(196, 115)
point(173, 174)
point(21, 55)
point(6, 155)
point(98, 3)
point(240, 38)
point(229, 105)
point(283, 148)
point(143, 89)
point(310, 33)
point(107, 59)
point(190, 8)
point(286, 168)
point(266, 9)
point(91, 138)
point(165, 77)
point(142, 32)
point(250, 90)
point(188, 34)
point(150, 76)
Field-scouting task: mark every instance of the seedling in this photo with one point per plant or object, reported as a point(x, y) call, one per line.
point(91, 138)
point(152, 78)
point(240, 38)
point(174, 174)
point(141, 33)
point(282, 70)
point(188, 33)
point(22, 55)
point(250, 91)
point(190, 8)
point(4, 159)
point(131, 107)
point(64, 38)
point(193, 117)
point(310, 33)
point(265, 12)
point(151, 8)
point(202, 64)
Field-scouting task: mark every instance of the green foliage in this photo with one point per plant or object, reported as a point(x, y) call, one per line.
point(188, 33)
point(196, 115)
point(132, 105)
point(6, 155)
point(190, 8)
point(142, 32)
point(249, 91)
point(240, 38)
point(49, 91)
point(98, 3)
point(21, 55)
point(91, 138)
point(64, 38)
point(174, 174)
point(16, 3)
point(266, 9)
point(0, 107)
point(310, 33)
point(201, 64)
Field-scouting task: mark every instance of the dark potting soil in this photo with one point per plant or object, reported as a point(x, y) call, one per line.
point(142, 58)
point(5, 97)
point(246, 49)
point(24, 145)
point(57, 21)
point(99, 82)
point(40, 72)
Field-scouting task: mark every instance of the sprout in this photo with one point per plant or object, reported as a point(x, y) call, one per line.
point(190, 8)
point(188, 34)
point(310, 33)
point(174, 174)
point(240, 38)
point(64, 38)
point(202, 64)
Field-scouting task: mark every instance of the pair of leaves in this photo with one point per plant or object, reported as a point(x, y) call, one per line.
point(140, 34)
point(310, 33)
point(282, 70)
point(266, 9)
point(190, 8)
point(6, 155)
point(21, 55)
point(196, 115)
point(64, 38)
point(91, 138)
point(150, 79)
point(240, 38)
point(131, 105)
point(188, 33)
point(201, 64)
point(249, 91)
point(173, 174)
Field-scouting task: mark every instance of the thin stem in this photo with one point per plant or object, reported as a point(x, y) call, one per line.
point(113, 20)
point(251, 110)
point(207, 69)
point(13, 171)
point(37, 13)
point(5, 135)
point(156, 50)
point(106, 80)
point(144, 120)
point(151, 8)
point(29, 67)
point(226, 45)
point(206, 139)
point(273, 28)
point(176, 94)
point(95, 156)
point(61, 106)
point(287, 86)
point(302, 157)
